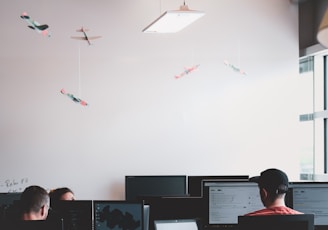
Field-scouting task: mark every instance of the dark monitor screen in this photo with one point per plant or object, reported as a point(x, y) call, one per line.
point(9, 207)
point(169, 208)
point(228, 200)
point(9, 198)
point(137, 187)
point(311, 197)
point(32, 225)
point(274, 222)
point(195, 182)
point(76, 214)
point(118, 215)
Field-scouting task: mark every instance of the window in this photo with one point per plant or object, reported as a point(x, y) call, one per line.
point(313, 115)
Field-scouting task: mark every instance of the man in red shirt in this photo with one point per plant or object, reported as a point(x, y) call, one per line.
point(273, 185)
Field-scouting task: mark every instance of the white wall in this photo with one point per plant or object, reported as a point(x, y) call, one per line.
point(141, 120)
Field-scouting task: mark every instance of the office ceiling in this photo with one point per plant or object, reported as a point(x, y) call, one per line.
point(225, 32)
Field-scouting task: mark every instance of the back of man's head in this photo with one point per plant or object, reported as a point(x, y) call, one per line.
point(274, 181)
point(33, 198)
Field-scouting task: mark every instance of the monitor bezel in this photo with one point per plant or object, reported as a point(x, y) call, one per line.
point(65, 208)
point(259, 219)
point(160, 177)
point(206, 198)
point(118, 202)
point(178, 221)
point(306, 184)
point(193, 180)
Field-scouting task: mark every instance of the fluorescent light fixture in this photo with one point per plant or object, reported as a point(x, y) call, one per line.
point(322, 34)
point(173, 21)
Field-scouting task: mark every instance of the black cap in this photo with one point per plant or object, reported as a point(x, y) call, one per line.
point(273, 180)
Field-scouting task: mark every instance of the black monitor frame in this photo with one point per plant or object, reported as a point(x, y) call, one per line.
point(35, 225)
point(195, 183)
point(321, 211)
point(229, 219)
point(76, 214)
point(273, 222)
point(139, 186)
point(116, 211)
point(9, 206)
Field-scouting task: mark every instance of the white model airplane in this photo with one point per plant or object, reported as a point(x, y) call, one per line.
point(85, 37)
point(73, 98)
point(234, 68)
point(35, 25)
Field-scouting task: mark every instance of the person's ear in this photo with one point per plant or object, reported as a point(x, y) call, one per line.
point(43, 211)
point(263, 193)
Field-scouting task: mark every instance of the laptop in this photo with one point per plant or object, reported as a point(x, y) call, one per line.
point(177, 224)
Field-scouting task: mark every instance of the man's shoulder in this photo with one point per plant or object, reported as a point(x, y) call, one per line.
point(264, 211)
point(281, 210)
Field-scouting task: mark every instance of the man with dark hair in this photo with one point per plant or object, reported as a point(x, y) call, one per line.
point(35, 203)
point(273, 185)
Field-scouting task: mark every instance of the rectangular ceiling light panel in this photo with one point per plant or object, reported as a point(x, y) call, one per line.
point(173, 21)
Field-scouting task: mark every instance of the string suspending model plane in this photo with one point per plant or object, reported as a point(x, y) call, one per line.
point(34, 25)
point(85, 37)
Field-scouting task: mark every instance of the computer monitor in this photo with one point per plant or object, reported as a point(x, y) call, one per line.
point(274, 222)
point(76, 214)
point(311, 198)
point(118, 215)
point(228, 200)
point(32, 225)
point(137, 187)
point(195, 185)
point(9, 206)
point(176, 224)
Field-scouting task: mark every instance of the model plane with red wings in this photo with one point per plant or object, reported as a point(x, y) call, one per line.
point(187, 70)
point(85, 37)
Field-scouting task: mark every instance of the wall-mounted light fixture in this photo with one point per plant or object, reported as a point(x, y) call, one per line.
point(322, 35)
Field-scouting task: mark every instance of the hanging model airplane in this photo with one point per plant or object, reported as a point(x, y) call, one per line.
point(73, 98)
point(188, 70)
point(85, 37)
point(43, 29)
point(234, 68)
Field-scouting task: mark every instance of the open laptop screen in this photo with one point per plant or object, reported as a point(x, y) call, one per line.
point(178, 224)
